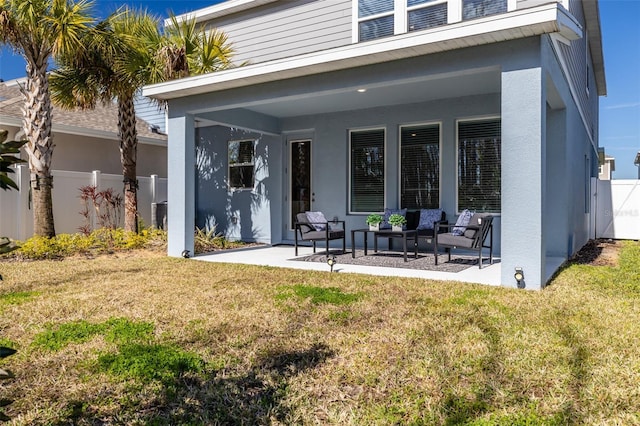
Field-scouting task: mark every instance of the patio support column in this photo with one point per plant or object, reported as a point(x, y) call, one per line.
point(181, 189)
point(523, 176)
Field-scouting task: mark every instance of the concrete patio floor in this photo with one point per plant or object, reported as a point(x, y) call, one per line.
point(281, 255)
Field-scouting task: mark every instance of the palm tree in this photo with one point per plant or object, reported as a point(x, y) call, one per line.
point(41, 30)
point(127, 53)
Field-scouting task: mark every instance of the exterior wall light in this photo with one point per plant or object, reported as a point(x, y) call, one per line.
point(361, 90)
point(519, 277)
point(331, 261)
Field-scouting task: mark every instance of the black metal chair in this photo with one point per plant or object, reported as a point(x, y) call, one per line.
point(307, 232)
point(480, 226)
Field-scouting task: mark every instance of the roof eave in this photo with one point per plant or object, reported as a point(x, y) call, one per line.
point(592, 18)
point(544, 19)
point(225, 8)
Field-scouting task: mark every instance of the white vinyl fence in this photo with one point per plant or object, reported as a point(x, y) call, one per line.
point(16, 215)
point(618, 209)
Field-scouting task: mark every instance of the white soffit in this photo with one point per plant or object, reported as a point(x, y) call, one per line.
point(544, 19)
point(223, 9)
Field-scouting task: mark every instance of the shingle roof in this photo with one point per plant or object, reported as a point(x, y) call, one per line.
point(101, 121)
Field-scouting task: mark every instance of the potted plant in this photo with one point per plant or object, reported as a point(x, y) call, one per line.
point(374, 220)
point(397, 221)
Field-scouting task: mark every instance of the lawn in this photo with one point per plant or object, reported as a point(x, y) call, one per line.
point(137, 338)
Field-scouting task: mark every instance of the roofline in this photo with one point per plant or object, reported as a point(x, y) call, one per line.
point(592, 21)
point(543, 19)
point(225, 8)
point(81, 131)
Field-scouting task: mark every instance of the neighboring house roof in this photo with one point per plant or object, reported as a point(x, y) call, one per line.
point(611, 161)
point(543, 19)
point(101, 122)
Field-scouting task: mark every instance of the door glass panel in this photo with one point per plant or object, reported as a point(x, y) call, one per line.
point(300, 178)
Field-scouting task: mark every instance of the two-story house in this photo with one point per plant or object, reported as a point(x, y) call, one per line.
point(351, 106)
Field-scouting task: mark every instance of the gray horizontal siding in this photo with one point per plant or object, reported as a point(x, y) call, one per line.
point(575, 56)
point(149, 112)
point(289, 28)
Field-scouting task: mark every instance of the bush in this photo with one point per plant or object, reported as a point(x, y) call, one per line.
point(100, 241)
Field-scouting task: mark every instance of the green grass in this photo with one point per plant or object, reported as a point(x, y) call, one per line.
point(143, 340)
point(318, 295)
point(16, 298)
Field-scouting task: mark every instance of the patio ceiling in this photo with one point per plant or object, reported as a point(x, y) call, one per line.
point(476, 83)
point(449, 86)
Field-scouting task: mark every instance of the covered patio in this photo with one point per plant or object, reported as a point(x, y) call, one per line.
point(282, 256)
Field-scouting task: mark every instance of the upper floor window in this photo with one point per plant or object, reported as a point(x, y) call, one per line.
point(375, 19)
point(382, 18)
point(241, 162)
point(472, 9)
point(423, 14)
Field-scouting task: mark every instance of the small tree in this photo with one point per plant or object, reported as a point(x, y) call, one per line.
point(8, 157)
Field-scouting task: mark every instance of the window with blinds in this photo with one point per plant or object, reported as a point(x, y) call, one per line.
point(421, 16)
point(479, 165)
point(241, 162)
point(420, 167)
point(366, 194)
point(472, 9)
point(375, 19)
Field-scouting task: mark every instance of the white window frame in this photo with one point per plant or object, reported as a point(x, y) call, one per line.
point(400, 18)
point(466, 120)
point(384, 146)
point(252, 164)
point(440, 164)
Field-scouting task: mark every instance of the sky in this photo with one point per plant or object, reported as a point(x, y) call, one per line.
point(619, 110)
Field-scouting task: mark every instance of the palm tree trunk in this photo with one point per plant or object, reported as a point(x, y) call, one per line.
point(128, 152)
point(37, 128)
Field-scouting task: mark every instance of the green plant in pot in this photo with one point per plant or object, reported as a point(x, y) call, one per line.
point(374, 220)
point(397, 221)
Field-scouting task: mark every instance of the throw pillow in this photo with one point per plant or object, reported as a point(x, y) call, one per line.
point(428, 217)
point(462, 222)
point(387, 213)
point(317, 220)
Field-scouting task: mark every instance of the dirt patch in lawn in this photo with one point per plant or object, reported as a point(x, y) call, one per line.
point(599, 252)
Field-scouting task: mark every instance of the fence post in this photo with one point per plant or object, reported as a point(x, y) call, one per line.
point(154, 188)
point(96, 180)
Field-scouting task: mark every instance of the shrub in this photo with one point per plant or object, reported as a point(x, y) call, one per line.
point(100, 241)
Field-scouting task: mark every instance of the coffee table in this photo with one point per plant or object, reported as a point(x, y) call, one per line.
point(405, 235)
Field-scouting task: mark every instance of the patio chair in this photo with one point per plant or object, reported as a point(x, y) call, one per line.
point(472, 238)
point(319, 229)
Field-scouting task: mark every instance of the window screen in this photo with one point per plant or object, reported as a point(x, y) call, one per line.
point(479, 165)
point(375, 19)
point(427, 17)
point(420, 167)
point(367, 171)
point(472, 9)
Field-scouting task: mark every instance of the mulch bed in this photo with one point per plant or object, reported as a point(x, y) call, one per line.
point(601, 252)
